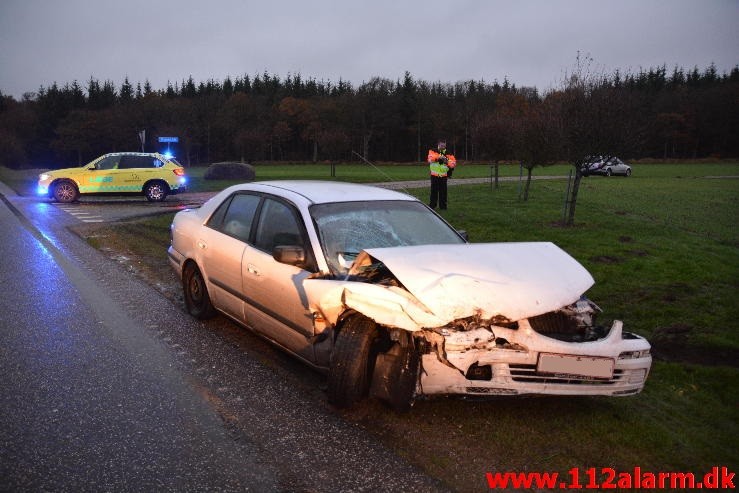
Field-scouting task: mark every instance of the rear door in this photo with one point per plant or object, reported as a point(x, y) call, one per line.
point(135, 170)
point(222, 245)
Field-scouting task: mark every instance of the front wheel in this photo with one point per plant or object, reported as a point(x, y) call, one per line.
point(351, 368)
point(628, 172)
point(609, 172)
point(65, 192)
point(396, 380)
point(156, 191)
point(197, 299)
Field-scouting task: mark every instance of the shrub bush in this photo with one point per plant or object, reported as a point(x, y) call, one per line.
point(230, 171)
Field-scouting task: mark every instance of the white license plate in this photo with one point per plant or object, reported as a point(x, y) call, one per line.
point(581, 366)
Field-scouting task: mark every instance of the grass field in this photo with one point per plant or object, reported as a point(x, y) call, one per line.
point(362, 173)
point(663, 247)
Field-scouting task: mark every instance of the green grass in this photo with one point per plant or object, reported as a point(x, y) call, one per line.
point(364, 173)
point(663, 250)
point(663, 247)
point(356, 172)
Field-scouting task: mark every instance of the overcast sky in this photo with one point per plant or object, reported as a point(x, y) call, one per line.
point(531, 42)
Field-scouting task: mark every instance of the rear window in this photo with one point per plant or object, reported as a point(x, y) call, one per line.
point(235, 217)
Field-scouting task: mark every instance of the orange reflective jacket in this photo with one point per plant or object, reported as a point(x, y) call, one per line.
point(437, 168)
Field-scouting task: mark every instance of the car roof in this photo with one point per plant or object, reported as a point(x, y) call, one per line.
point(321, 192)
point(133, 153)
point(157, 155)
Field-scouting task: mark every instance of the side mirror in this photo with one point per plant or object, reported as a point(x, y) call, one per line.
point(289, 254)
point(464, 235)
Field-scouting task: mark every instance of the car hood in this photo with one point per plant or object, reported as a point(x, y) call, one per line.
point(450, 282)
point(65, 171)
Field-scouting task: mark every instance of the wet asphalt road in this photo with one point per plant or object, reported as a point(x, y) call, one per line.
point(109, 386)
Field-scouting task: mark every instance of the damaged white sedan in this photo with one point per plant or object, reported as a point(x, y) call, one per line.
point(375, 289)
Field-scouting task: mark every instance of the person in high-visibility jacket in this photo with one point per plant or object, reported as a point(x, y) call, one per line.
point(441, 165)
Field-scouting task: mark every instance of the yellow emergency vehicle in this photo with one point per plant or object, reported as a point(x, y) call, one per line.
point(151, 174)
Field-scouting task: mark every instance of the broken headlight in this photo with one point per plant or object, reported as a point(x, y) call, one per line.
point(634, 354)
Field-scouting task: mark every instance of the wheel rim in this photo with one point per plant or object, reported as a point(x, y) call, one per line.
point(65, 192)
point(155, 192)
point(195, 289)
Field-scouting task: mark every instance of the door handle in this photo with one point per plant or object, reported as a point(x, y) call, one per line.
point(201, 244)
point(252, 269)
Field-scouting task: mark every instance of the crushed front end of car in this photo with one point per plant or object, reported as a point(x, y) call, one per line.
point(485, 319)
point(554, 353)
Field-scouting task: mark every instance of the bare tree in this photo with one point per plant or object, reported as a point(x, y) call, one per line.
point(589, 107)
point(537, 137)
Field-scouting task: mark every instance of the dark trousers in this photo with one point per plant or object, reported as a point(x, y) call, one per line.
point(438, 192)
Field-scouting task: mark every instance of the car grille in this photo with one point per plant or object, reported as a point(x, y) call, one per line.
point(528, 374)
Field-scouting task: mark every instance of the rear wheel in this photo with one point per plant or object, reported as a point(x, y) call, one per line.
point(351, 368)
point(156, 191)
point(609, 172)
point(197, 299)
point(65, 191)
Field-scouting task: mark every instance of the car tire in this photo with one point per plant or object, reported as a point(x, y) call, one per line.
point(197, 299)
point(628, 172)
point(156, 191)
point(351, 362)
point(65, 191)
point(406, 372)
point(609, 172)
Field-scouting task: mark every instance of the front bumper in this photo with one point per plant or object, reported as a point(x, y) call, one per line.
point(485, 368)
point(521, 379)
point(43, 188)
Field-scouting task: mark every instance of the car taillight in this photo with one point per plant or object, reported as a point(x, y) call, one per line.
point(179, 171)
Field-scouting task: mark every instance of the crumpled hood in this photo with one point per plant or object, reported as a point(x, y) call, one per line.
point(513, 280)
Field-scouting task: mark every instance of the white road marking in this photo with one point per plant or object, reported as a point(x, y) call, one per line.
point(85, 217)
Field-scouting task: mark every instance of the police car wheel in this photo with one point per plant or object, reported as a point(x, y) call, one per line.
point(156, 192)
point(65, 191)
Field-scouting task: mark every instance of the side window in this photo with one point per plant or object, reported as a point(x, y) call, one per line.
point(236, 217)
point(278, 225)
point(110, 162)
point(131, 162)
point(128, 162)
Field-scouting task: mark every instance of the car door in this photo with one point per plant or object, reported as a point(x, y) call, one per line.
point(100, 177)
point(277, 304)
point(222, 244)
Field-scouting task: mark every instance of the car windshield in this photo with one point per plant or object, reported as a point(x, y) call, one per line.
point(347, 228)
